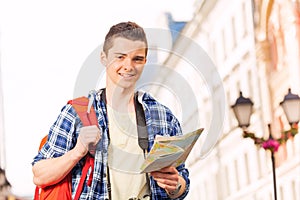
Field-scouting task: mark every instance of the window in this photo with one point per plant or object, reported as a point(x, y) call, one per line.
point(234, 43)
point(236, 170)
point(227, 181)
point(246, 160)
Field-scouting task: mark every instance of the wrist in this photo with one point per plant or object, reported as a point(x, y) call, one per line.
point(180, 188)
point(79, 151)
point(176, 191)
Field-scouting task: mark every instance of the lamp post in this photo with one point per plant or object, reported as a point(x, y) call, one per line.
point(243, 108)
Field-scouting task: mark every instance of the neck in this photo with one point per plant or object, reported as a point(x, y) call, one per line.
point(120, 99)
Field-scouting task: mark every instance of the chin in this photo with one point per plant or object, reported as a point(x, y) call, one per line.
point(125, 86)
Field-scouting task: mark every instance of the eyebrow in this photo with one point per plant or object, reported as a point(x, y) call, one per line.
point(140, 57)
point(124, 54)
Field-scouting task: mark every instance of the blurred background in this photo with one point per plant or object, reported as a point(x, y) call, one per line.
point(254, 46)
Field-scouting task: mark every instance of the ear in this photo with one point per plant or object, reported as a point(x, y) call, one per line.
point(103, 58)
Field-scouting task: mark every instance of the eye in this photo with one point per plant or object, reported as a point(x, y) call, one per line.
point(120, 57)
point(139, 59)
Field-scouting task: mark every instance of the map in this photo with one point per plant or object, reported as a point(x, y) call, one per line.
point(170, 151)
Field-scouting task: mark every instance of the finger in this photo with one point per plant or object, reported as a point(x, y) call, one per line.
point(169, 170)
point(161, 185)
point(166, 178)
point(91, 134)
point(165, 175)
point(90, 127)
point(167, 184)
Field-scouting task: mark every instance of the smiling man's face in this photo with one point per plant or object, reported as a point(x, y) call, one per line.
point(124, 62)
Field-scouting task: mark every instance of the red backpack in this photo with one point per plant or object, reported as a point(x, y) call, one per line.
point(63, 189)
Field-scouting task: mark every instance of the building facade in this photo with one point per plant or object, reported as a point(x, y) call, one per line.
point(4, 184)
point(255, 48)
point(2, 143)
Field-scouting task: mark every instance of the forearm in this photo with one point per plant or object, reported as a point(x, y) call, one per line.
point(50, 171)
point(184, 174)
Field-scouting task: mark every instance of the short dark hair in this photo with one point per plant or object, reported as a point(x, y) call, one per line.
point(128, 30)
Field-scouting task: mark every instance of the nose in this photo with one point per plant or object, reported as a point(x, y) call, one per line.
point(128, 64)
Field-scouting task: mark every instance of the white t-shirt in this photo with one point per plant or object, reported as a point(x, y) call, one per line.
point(125, 157)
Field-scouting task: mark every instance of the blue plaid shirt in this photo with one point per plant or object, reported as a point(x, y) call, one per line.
point(63, 137)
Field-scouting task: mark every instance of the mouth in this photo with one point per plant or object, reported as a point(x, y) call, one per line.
point(126, 75)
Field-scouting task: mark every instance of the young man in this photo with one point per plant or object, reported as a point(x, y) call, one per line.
point(115, 144)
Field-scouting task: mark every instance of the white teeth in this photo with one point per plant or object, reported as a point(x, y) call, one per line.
point(126, 75)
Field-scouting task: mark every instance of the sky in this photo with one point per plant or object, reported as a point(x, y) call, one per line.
point(43, 45)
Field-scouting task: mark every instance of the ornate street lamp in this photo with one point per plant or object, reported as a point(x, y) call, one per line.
point(291, 106)
point(243, 109)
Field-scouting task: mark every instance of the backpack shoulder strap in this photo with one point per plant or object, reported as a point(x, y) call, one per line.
point(141, 124)
point(87, 117)
point(143, 140)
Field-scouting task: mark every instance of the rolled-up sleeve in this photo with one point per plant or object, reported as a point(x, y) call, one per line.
point(60, 137)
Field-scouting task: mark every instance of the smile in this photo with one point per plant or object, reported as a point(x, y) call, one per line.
point(126, 75)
